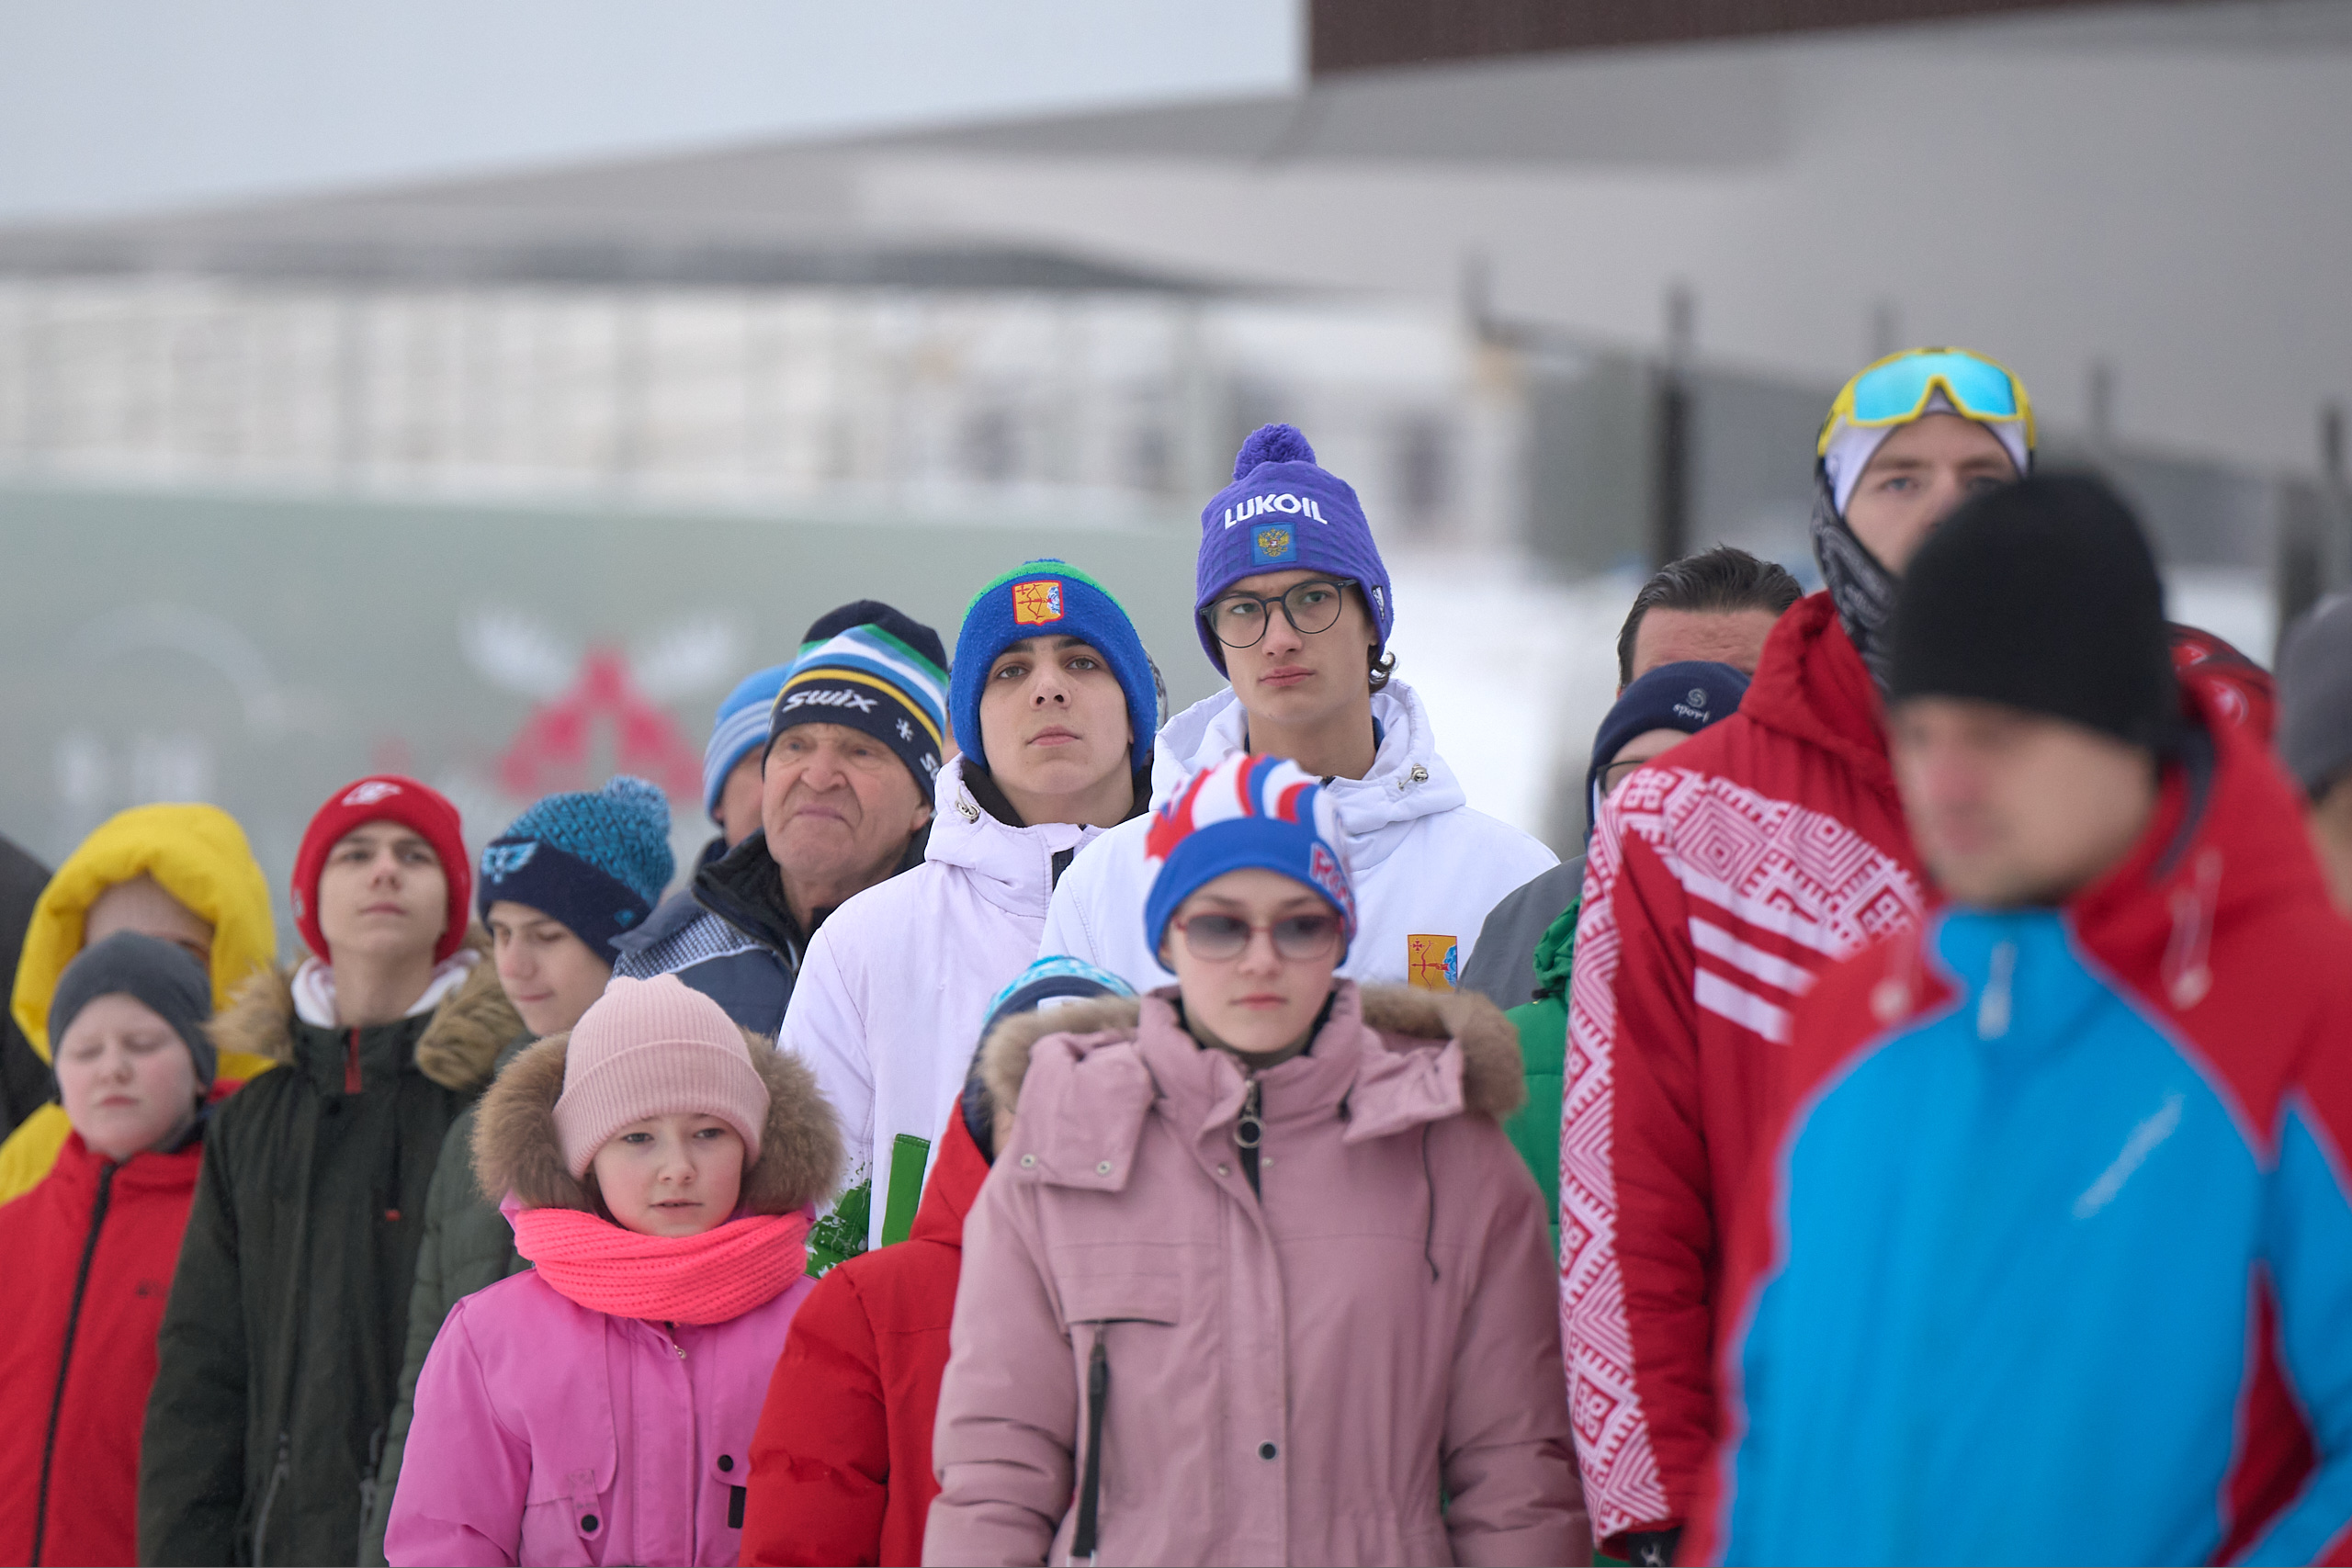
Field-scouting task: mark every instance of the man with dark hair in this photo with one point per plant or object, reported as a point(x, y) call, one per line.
point(1715, 607)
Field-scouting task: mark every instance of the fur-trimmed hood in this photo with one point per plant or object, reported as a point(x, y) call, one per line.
point(1493, 1080)
point(459, 1049)
point(516, 1148)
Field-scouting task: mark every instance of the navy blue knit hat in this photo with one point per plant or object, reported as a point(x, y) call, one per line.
point(1688, 695)
point(1048, 598)
point(597, 861)
point(1283, 512)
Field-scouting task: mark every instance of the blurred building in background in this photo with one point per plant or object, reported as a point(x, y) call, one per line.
point(1559, 289)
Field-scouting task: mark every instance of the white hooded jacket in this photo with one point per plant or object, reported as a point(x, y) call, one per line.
point(896, 982)
point(1426, 868)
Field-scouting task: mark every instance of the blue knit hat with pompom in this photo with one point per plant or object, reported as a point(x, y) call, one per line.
point(1283, 512)
point(597, 859)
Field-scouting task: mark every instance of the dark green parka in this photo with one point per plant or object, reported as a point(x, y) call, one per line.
point(469, 1245)
point(281, 1346)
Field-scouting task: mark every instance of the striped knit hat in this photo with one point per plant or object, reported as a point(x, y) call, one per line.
point(1247, 811)
point(740, 729)
point(882, 673)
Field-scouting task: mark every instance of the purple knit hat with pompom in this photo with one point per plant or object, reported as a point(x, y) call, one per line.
point(1284, 513)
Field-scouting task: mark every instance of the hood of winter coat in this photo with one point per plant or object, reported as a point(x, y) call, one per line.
point(1409, 780)
point(517, 1149)
point(1412, 1028)
point(196, 853)
point(1813, 686)
point(2227, 847)
point(1010, 867)
point(459, 1049)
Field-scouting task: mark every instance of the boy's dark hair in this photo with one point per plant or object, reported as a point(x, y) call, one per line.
point(1723, 580)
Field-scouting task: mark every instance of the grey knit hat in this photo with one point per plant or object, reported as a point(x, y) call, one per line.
point(147, 969)
point(2315, 694)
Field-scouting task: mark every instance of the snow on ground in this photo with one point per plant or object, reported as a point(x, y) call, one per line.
point(1517, 672)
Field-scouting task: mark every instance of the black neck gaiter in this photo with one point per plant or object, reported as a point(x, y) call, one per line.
point(1862, 590)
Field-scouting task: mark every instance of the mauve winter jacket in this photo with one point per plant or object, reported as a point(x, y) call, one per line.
point(1296, 1378)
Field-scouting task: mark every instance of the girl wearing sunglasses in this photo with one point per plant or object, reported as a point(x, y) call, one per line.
point(1256, 1275)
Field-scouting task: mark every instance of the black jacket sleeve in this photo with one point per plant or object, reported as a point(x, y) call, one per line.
point(192, 1458)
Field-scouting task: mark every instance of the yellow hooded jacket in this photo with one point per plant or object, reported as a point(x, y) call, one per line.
point(198, 855)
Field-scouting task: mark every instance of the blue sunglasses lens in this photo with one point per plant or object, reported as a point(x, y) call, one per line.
point(1894, 392)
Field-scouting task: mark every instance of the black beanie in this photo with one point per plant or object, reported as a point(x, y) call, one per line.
point(2042, 596)
point(171, 983)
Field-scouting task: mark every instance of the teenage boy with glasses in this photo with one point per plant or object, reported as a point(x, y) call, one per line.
point(1295, 609)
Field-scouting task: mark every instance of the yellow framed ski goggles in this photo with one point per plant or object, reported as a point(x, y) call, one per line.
point(1896, 390)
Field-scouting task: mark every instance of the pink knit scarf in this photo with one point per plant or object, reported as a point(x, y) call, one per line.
point(711, 1278)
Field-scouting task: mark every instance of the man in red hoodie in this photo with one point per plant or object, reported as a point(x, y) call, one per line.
point(1719, 883)
point(841, 1465)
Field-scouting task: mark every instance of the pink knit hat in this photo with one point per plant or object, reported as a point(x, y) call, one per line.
point(655, 1048)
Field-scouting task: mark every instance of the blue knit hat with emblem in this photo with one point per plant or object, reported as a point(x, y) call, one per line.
point(1048, 598)
point(877, 669)
point(741, 729)
point(596, 860)
point(1283, 512)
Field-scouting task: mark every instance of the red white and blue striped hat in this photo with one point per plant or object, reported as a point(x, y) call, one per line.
point(1247, 811)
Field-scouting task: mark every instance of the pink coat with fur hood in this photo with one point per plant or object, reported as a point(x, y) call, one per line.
point(1290, 1378)
point(546, 1432)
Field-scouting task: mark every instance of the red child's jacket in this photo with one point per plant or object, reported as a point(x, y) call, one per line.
point(90, 1253)
point(840, 1465)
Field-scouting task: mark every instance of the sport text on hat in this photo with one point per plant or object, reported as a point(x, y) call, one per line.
point(1284, 513)
point(883, 677)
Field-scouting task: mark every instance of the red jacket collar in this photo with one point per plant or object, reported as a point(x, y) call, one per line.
point(1813, 686)
point(955, 1182)
point(2227, 837)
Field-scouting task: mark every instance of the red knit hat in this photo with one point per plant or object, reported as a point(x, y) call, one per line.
point(384, 798)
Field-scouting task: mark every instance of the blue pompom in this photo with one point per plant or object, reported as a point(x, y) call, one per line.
point(1272, 443)
point(639, 796)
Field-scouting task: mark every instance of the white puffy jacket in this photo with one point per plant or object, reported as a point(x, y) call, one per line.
point(1426, 868)
point(896, 982)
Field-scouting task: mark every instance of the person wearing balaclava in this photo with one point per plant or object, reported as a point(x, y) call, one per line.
point(1772, 844)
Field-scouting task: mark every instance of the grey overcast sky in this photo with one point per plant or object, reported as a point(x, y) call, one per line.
point(117, 106)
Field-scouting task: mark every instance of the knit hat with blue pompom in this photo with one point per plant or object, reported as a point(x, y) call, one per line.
point(597, 860)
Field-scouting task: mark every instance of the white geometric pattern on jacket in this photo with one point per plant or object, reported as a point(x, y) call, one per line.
point(1758, 865)
point(898, 981)
point(1423, 862)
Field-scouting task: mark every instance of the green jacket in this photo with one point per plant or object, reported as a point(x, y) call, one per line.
point(280, 1349)
point(1542, 1024)
point(467, 1246)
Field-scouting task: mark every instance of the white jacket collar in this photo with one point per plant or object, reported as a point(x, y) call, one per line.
point(1408, 779)
point(1010, 867)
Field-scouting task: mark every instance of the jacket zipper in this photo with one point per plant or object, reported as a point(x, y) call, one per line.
point(1087, 1537)
point(65, 1354)
point(278, 1474)
point(352, 1082)
point(1248, 1135)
